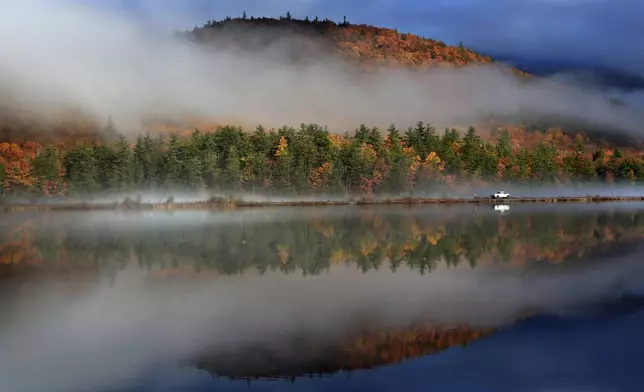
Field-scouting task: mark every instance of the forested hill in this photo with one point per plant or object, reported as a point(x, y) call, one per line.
point(364, 44)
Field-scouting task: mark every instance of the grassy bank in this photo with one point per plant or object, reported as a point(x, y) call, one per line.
point(218, 203)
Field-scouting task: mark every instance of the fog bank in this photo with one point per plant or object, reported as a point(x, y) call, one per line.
point(68, 54)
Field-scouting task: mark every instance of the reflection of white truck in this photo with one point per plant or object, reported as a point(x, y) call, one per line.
point(501, 195)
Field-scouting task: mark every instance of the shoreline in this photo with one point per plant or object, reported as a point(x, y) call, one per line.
point(219, 204)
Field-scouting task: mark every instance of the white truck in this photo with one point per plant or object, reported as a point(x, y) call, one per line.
point(501, 195)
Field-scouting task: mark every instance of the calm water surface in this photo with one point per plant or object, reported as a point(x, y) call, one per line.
point(440, 298)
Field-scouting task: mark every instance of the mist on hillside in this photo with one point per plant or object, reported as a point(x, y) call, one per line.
point(66, 55)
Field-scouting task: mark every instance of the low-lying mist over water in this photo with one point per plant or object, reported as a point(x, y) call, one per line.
point(438, 191)
point(98, 300)
point(91, 58)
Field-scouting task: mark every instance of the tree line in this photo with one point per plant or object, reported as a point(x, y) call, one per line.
point(305, 160)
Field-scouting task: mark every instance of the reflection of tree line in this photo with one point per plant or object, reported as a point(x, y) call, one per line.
point(369, 239)
point(309, 356)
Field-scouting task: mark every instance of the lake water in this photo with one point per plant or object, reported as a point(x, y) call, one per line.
point(432, 298)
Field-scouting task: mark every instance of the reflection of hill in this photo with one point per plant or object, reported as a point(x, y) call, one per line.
point(369, 348)
point(365, 350)
point(370, 238)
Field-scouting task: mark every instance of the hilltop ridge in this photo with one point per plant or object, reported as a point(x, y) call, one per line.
point(361, 43)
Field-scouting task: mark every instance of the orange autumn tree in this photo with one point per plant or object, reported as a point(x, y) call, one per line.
point(375, 169)
point(423, 172)
point(16, 169)
point(431, 168)
point(319, 178)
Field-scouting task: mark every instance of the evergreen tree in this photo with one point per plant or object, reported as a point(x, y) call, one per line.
point(80, 167)
point(145, 162)
point(395, 158)
point(544, 168)
point(192, 171)
point(104, 161)
point(122, 165)
point(172, 173)
point(450, 144)
point(471, 152)
point(209, 169)
point(232, 173)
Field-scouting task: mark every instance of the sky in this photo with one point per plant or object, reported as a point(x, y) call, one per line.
point(596, 32)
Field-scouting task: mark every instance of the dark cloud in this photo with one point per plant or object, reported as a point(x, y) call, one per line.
point(589, 32)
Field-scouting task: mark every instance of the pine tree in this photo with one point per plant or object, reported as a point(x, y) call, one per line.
point(173, 177)
point(543, 166)
point(192, 171)
point(210, 170)
point(123, 165)
point(80, 165)
point(104, 161)
point(145, 166)
point(471, 152)
point(232, 173)
point(450, 143)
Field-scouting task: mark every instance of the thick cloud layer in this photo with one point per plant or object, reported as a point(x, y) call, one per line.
point(75, 54)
